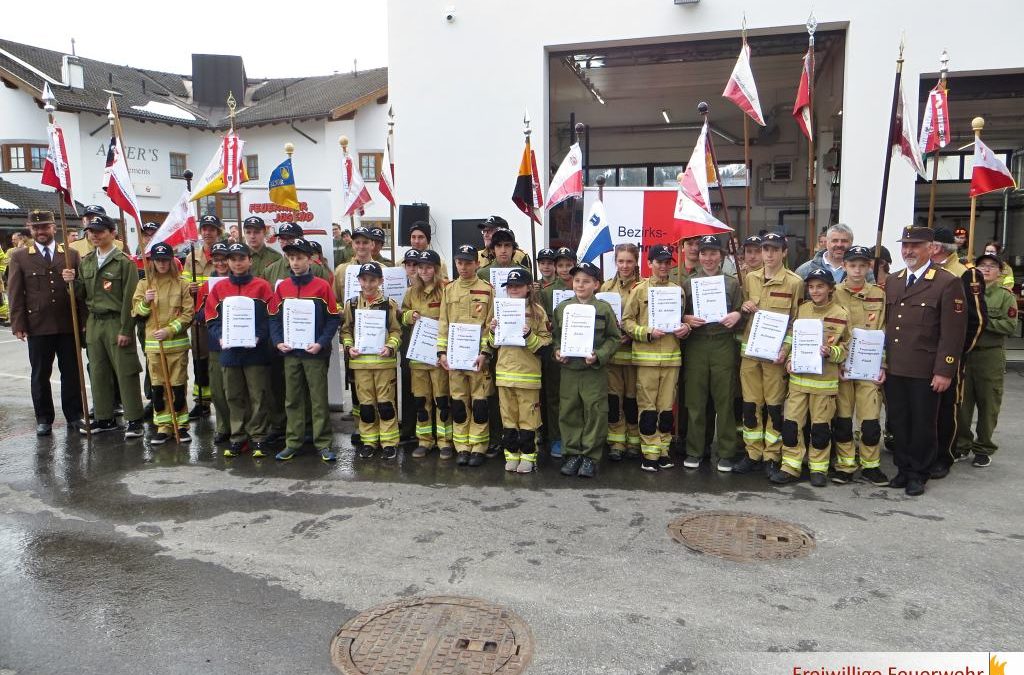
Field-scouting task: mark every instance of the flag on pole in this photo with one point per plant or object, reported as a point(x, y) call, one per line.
point(179, 227)
point(692, 215)
point(989, 173)
point(386, 185)
point(526, 195)
point(935, 125)
point(226, 171)
point(117, 183)
point(596, 239)
point(56, 172)
point(741, 90)
point(282, 186)
point(568, 180)
point(802, 106)
point(355, 196)
point(904, 140)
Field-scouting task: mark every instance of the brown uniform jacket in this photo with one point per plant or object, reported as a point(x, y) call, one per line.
point(40, 302)
point(925, 325)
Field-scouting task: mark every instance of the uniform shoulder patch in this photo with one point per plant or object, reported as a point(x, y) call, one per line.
point(958, 305)
point(1011, 312)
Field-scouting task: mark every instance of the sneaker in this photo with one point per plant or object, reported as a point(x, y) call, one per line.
point(556, 450)
point(236, 448)
point(184, 436)
point(981, 460)
point(915, 487)
point(366, 451)
point(101, 426)
point(844, 477)
point(747, 465)
point(780, 477)
point(691, 462)
point(588, 468)
point(571, 466)
point(961, 455)
point(199, 411)
point(286, 454)
point(446, 453)
point(649, 465)
point(665, 463)
point(771, 466)
point(525, 467)
point(463, 458)
point(615, 455)
point(512, 465)
point(329, 455)
point(159, 438)
point(420, 451)
point(633, 453)
point(875, 476)
point(135, 429)
point(390, 452)
point(259, 449)
point(493, 450)
point(818, 479)
point(725, 465)
point(477, 459)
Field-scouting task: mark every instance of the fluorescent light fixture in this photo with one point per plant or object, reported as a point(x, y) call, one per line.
point(664, 113)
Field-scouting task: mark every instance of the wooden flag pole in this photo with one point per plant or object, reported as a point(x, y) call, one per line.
point(394, 226)
point(943, 78)
point(812, 227)
point(888, 159)
point(978, 123)
point(75, 325)
point(533, 228)
point(112, 120)
point(704, 109)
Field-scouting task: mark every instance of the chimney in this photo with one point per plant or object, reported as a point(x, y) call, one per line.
point(213, 76)
point(71, 72)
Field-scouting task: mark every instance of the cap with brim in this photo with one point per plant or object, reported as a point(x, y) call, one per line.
point(988, 256)
point(377, 234)
point(466, 252)
point(411, 256)
point(315, 247)
point(298, 245)
point(859, 253)
point(660, 252)
point(590, 269)
point(944, 235)
point(565, 252)
point(211, 221)
point(709, 242)
point(239, 248)
point(40, 217)
point(546, 254)
point(94, 210)
point(99, 223)
point(820, 275)
point(161, 251)
point(429, 257)
point(220, 248)
point(370, 269)
point(503, 236)
point(752, 240)
point(518, 277)
point(289, 229)
point(150, 227)
point(917, 235)
point(254, 222)
point(773, 239)
point(493, 221)
point(361, 232)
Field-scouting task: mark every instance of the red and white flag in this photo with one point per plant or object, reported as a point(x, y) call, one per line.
point(233, 179)
point(989, 173)
point(56, 172)
point(355, 196)
point(387, 174)
point(935, 125)
point(117, 182)
point(568, 180)
point(741, 90)
point(179, 227)
point(802, 106)
point(692, 216)
point(904, 140)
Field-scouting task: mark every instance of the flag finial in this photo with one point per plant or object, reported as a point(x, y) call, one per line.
point(526, 124)
point(579, 129)
point(48, 98)
point(812, 25)
point(944, 60)
point(744, 27)
point(343, 142)
point(978, 123)
point(289, 148)
point(703, 108)
point(391, 119)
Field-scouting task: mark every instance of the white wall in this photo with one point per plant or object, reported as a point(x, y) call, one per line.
point(461, 87)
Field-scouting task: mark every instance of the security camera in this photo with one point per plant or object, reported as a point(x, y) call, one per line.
point(449, 15)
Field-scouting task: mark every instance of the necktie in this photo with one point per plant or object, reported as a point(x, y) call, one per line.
point(910, 280)
point(46, 254)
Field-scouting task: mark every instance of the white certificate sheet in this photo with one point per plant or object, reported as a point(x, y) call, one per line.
point(664, 307)
point(351, 281)
point(238, 327)
point(423, 341)
point(557, 297)
point(498, 276)
point(767, 333)
point(709, 300)
point(578, 330)
point(511, 316)
point(396, 283)
point(371, 330)
point(299, 322)
point(463, 345)
point(865, 357)
point(808, 335)
point(613, 299)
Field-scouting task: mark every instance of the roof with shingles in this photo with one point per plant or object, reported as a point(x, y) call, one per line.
point(27, 199)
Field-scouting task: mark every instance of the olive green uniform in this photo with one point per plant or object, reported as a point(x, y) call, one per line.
point(623, 432)
point(264, 258)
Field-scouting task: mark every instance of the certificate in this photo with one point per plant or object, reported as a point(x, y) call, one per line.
point(463, 345)
point(865, 358)
point(664, 307)
point(613, 299)
point(371, 330)
point(499, 275)
point(396, 283)
point(423, 341)
point(578, 330)
point(238, 327)
point(510, 314)
point(557, 297)
point(808, 335)
point(299, 322)
point(709, 301)
point(351, 281)
point(767, 333)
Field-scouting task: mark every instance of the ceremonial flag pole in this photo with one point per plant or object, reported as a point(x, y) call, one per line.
point(600, 197)
point(343, 142)
point(62, 172)
point(941, 125)
point(526, 194)
point(533, 229)
point(389, 195)
point(988, 174)
point(704, 109)
point(888, 158)
point(812, 227)
point(187, 175)
point(978, 123)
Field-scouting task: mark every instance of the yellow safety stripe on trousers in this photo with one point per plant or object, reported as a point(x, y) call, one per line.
point(162, 418)
point(788, 340)
point(818, 466)
point(511, 456)
point(446, 429)
point(792, 462)
point(770, 437)
point(530, 457)
point(616, 438)
point(373, 359)
point(503, 375)
point(482, 438)
point(813, 384)
point(753, 435)
point(196, 389)
point(142, 309)
point(643, 357)
point(174, 343)
point(870, 464)
point(424, 430)
point(846, 461)
point(623, 358)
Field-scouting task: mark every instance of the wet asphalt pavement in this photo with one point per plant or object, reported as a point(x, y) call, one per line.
point(118, 557)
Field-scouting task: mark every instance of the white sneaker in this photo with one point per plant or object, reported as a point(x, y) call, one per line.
point(512, 465)
point(691, 462)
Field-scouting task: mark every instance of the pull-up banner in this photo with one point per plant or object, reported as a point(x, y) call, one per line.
point(640, 216)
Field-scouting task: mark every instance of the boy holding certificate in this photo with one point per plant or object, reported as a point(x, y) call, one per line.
point(656, 354)
point(429, 381)
point(565, 259)
point(518, 372)
point(305, 342)
point(860, 399)
point(623, 432)
point(468, 301)
point(375, 369)
point(773, 289)
point(583, 393)
point(245, 368)
point(813, 393)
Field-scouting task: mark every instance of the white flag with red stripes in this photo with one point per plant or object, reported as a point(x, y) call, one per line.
point(989, 172)
point(741, 90)
point(935, 125)
point(802, 105)
point(568, 180)
point(387, 174)
point(904, 139)
point(179, 227)
point(692, 216)
point(56, 172)
point(117, 183)
point(355, 196)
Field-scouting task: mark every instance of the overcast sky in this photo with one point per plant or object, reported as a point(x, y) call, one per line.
point(275, 39)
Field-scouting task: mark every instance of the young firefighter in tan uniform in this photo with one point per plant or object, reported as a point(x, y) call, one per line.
point(812, 393)
point(468, 300)
point(517, 376)
point(772, 288)
point(375, 374)
point(429, 382)
point(211, 230)
point(657, 357)
point(623, 432)
point(165, 301)
point(859, 399)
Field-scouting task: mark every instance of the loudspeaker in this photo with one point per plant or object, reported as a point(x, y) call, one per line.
point(409, 214)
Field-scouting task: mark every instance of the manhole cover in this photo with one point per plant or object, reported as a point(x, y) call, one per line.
point(440, 634)
point(743, 537)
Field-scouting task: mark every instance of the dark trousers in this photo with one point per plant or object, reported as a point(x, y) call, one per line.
point(41, 351)
point(949, 414)
point(912, 411)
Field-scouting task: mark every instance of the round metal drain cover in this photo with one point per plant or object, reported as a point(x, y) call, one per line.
point(439, 634)
point(742, 537)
